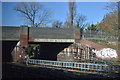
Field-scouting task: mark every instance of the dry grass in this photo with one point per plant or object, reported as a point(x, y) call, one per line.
point(107, 43)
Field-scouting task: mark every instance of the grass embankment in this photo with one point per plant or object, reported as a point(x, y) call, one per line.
point(107, 43)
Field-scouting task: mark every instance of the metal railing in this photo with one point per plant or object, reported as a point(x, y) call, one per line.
point(77, 65)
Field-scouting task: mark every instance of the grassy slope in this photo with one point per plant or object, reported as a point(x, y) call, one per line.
point(109, 44)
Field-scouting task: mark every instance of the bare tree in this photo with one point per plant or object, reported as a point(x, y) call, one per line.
point(74, 19)
point(34, 13)
point(109, 23)
point(112, 7)
point(57, 24)
point(72, 12)
point(110, 20)
point(80, 21)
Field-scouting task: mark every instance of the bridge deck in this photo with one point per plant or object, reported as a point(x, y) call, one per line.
point(41, 34)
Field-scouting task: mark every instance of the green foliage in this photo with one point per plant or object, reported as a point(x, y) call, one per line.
point(31, 52)
point(93, 27)
point(35, 45)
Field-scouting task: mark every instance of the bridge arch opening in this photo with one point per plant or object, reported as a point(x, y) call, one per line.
point(7, 48)
point(48, 50)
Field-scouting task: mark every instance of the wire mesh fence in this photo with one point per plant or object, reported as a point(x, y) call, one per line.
point(100, 35)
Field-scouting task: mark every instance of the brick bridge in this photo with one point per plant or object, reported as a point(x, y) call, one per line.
point(52, 40)
point(61, 44)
